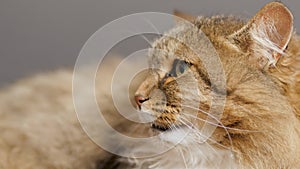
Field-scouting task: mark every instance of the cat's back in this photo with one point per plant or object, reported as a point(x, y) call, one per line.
point(38, 124)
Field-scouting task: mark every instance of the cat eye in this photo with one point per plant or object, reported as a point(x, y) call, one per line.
point(180, 66)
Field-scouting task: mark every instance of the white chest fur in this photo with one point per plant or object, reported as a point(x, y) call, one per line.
point(187, 154)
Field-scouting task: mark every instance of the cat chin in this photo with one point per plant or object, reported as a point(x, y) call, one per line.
point(146, 115)
point(188, 153)
point(176, 136)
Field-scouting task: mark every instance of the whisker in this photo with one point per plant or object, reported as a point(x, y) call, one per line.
point(208, 114)
point(144, 37)
point(198, 132)
point(152, 25)
point(229, 137)
point(190, 154)
point(211, 123)
point(184, 160)
point(248, 111)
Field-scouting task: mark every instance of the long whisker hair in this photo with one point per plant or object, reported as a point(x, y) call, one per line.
point(218, 125)
point(152, 25)
point(213, 117)
point(198, 133)
point(144, 37)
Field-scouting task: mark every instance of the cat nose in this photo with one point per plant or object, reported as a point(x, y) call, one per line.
point(139, 99)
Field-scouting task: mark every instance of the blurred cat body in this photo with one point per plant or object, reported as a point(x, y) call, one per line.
point(259, 128)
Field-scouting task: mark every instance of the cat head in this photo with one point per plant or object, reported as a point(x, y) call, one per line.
point(179, 83)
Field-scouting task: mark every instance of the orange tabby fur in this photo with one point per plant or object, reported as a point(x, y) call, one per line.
point(262, 102)
point(39, 128)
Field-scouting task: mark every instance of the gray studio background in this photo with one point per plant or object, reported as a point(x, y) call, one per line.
point(41, 35)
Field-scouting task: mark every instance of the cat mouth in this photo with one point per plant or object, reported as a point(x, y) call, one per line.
point(160, 127)
point(164, 128)
point(156, 122)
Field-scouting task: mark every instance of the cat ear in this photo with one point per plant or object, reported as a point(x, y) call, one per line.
point(267, 34)
point(181, 16)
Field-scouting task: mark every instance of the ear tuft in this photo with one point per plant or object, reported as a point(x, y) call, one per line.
point(270, 31)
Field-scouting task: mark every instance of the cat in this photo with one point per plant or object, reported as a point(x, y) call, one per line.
point(259, 126)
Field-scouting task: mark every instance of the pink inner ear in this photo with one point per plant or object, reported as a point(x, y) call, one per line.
point(278, 25)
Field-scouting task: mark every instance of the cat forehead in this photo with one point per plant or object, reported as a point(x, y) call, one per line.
point(179, 41)
point(165, 51)
point(175, 44)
